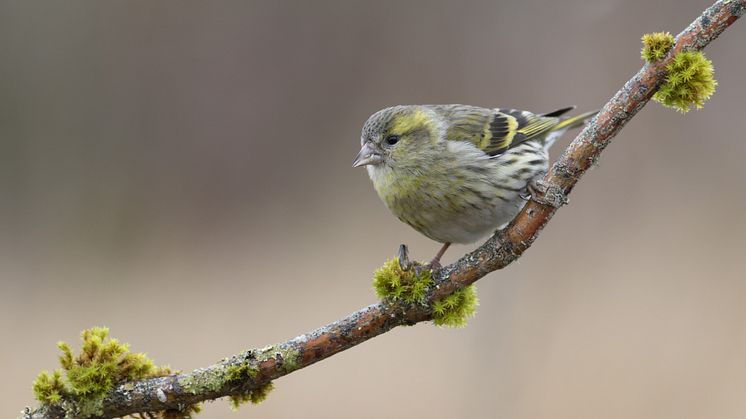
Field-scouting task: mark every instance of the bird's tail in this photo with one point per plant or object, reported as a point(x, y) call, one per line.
point(565, 124)
point(575, 121)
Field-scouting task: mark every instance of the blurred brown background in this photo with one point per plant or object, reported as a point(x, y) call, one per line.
point(180, 172)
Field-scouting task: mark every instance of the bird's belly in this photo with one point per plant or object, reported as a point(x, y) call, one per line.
point(464, 197)
point(469, 224)
point(461, 217)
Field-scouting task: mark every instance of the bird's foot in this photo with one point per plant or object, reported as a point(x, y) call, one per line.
point(434, 265)
point(403, 256)
point(405, 264)
point(546, 194)
point(534, 188)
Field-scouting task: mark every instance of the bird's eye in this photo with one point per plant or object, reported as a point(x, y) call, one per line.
point(392, 139)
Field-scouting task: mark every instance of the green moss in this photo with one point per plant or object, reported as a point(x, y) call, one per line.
point(240, 372)
point(49, 388)
point(689, 82)
point(102, 363)
point(655, 45)
point(392, 282)
point(86, 378)
point(453, 310)
point(255, 396)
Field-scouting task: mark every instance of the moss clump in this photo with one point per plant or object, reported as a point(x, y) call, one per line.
point(243, 372)
point(255, 396)
point(240, 372)
point(655, 45)
point(102, 363)
point(392, 282)
point(689, 82)
point(453, 310)
point(49, 388)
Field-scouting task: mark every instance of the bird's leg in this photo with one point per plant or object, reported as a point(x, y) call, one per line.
point(405, 264)
point(435, 263)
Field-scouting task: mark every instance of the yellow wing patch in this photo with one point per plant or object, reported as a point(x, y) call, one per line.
point(503, 128)
point(495, 130)
point(511, 127)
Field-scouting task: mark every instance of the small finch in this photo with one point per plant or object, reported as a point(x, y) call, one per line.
point(456, 173)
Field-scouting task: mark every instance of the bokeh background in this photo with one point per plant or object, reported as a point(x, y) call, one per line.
point(180, 172)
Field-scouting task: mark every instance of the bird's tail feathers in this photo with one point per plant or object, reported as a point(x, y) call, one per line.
point(559, 112)
point(566, 124)
point(575, 121)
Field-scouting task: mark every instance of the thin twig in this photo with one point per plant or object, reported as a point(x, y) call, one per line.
point(497, 252)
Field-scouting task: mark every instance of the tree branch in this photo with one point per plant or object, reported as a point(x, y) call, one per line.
point(177, 391)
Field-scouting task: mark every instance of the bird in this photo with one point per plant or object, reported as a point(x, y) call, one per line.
point(456, 173)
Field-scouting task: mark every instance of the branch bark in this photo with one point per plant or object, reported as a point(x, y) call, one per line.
point(498, 251)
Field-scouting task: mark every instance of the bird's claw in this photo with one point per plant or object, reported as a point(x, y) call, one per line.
point(546, 194)
point(404, 263)
point(534, 188)
point(434, 265)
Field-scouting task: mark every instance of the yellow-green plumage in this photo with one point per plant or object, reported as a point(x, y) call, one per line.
point(455, 173)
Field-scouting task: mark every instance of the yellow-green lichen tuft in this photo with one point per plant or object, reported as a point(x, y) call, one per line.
point(453, 310)
point(689, 82)
point(255, 396)
point(655, 45)
point(391, 281)
point(240, 372)
point(102, 363)
point(290, 358)
point(208, 381)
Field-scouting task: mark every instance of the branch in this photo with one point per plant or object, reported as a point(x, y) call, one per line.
point(507, 245)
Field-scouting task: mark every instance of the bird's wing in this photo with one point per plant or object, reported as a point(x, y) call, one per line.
point(495, 130)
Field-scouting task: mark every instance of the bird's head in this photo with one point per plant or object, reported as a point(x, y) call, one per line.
point(398, 137)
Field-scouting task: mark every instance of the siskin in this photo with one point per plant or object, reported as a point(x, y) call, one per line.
point(456, 173)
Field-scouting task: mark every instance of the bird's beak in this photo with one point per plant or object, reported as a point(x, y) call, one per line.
point(367, 156)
